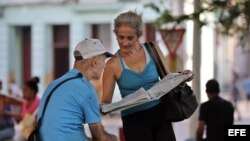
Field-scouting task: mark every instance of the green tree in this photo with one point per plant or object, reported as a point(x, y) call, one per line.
point(230, 16)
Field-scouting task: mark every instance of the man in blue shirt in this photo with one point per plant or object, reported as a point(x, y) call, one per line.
point(75, 102)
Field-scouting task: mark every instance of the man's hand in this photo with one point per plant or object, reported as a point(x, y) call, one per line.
point(99, 134)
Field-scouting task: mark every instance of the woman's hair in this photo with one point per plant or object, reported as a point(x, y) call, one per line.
point(132, 19)
point(32, 84)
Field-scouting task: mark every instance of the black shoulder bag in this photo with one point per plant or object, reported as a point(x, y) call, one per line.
point(180, 103)
point(34, 136)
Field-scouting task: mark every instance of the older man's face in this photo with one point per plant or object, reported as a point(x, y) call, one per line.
point(99, 67)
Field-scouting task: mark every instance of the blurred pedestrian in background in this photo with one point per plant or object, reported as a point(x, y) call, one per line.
point(246, 86)
point(14, 90)
point(214, 114)
point(29, 105)
point(7, 130)
point(236, 95)
point(30, 101)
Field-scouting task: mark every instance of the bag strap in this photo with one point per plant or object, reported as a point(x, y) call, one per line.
point(79, 75)
point(156, 58)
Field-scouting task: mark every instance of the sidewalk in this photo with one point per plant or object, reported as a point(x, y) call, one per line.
point(112, 124)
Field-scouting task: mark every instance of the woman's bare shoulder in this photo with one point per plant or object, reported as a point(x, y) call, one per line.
point(113, 62)
point(113, 66)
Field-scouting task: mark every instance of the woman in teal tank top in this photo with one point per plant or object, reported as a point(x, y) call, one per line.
point(132, 68)
point(130, 81)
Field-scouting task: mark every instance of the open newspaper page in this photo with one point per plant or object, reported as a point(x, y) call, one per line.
point(138, 97)
point(167, 84)
point(142, 96)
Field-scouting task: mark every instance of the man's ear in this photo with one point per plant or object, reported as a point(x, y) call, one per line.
point(94, 62)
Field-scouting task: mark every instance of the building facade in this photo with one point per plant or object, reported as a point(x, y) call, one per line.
point(38, 37)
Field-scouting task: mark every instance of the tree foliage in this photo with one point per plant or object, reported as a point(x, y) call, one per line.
point(230, 16)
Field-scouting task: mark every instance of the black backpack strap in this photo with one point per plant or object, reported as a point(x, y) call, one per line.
point(79, 75)
point(156, 58)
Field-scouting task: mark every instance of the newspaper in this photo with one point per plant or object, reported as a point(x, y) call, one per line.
point(141, 96)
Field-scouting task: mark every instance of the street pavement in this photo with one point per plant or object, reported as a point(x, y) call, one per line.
point(113, 123)
point(182, 129)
